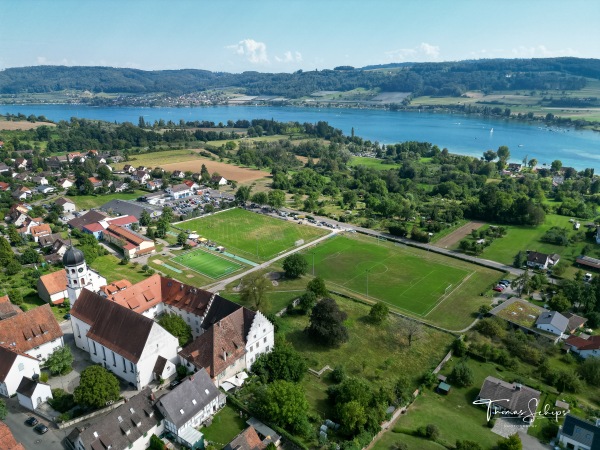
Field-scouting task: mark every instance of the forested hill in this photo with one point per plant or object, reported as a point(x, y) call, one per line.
point(446, 78)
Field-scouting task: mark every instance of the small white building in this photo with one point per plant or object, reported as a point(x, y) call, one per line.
point(179, 191)
point(194, 401)
point(552, 322)
point(68, 205)
point(584, 345)
point(14, 366)
point(218, 180)
point(31, 394)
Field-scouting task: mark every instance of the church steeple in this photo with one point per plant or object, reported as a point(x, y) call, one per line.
point(78, 275)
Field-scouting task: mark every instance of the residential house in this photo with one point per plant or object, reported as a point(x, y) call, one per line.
point(584, 345)
point(35, 332)
point(45, 189)
point(178, 174)
point(21, 164)
point(4, 186)
point(179, 191)
point(218, 180)
point(7, 309)
point(57, 162)
point(579, 434)
point(6, 437)
point(120, 186)
point(192, 185)
point(41, 180)
point(96, 182)
point(266, 433)
point(128, 168)
point(23, 177)
point(31, 394)
point(4, 168)
point(131, 243)
point(28, 224)
point(575, 322)
point(154, 184)
point(246, 440)
point(541, 261)
point(49, 240)
point(64, 183)
point(18, 214)
point(58, 250)
point(22, 193)
point(553, 322)
point(86, 219)
point(190, 404)
point(15, 365)
point(40, 231)
point(68, 205)
point(52, 287)
point(129, 426)
point(72, 157)
point(144, 168)
point(514, 398)
point(141, 176)
point(124, 342)
point(514, 167)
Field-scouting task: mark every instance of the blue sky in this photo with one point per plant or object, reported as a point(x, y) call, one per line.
point(287, 35)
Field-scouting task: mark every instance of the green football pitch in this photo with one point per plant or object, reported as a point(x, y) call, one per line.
point(205, 263)
point(253, 236)
point(406, 278)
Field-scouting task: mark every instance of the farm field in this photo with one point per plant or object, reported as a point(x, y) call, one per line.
point(189, 159)
point(408, 279)
point(22, 125)
point(94, 201)
point(206, 263)
point(253, 236)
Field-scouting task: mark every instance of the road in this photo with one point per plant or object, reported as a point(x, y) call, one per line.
point(24, 434)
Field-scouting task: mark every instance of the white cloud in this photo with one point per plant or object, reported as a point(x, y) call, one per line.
point(422, 52)
point(540, 51)
point(288, 57)
point(251, 50)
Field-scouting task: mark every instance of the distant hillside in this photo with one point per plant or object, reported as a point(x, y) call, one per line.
point(446, 78)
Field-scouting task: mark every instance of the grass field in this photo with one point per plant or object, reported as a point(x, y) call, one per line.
point(208, 264)
point(372, 162)
point(226, 425)
point(94, 201)
point(402, 278)
point(108, 266)
point(253, 236)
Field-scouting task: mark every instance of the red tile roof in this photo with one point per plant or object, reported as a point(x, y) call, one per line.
point(55, 282)
point(7, 440)
point(591, 343)
point(41, 230)
point(93, 227)
point(30, 329)
point(123, 220)
point(140, 296)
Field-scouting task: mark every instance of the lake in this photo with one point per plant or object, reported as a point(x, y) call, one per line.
point(467, 135)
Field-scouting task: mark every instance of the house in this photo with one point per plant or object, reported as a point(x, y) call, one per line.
point(6, 437)
point(541, 261)
point(218, 180)
point(57, 162)
point(514, 398)
point(94, 229)
point(123, 341)
point(35, 332)
point(58, 250)
point(40, 230)
point(96, 182)
point(22, 193)
point(52, 288)
point(128, 168)
point(4, 186)
point(131, 243)
point(584, 346)
point(21, 163)
point(64, 183)
point(194, 401)
point(68, 205)
point(154, 184)
point(42, 181)
point(49, 239)
point(246, 440)
point(45, 189)
point(141, 176)
point(86, 219)
point(178, 174)
point(514, 167)
point(192, 185)
point(129, 426)
point(264, 432)
point(553, 322)
point(7, 309)
point(28, 224)
point(4, 168)
point(179, 191)
point(135, 209)
point(71, 157)
point(575, 322)
point(579, 434)
point(15, 365)
point(232, 338)
point(31, 394)
point(144, 297)
point(144, 168)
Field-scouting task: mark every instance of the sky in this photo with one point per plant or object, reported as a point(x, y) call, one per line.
point(289, 35)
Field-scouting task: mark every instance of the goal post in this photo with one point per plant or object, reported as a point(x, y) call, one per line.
point(448, 289)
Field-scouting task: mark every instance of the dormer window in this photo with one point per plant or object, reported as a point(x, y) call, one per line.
point(194, 401)
point(181, 411)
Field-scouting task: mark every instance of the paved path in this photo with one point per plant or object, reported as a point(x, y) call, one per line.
point(220, 285)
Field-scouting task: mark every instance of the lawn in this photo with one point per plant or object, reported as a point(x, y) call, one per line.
point(206, 263)
point(522, 238)
point(250, 235)
point(372, 162)
point(274, 301)
point(390, 440)
point(226, 425)
point(409, 279)
point(108, 266)
point(94, 201)
point(154, 159)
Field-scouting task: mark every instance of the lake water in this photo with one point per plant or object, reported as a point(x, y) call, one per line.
point(468, 135)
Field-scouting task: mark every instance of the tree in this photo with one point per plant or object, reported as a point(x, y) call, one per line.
point(352, 417)
point(295, 265)
point(559, 302)
point(30, 256)
point(327, 323)
point(412, 330)
point(60, 362)
point(276, 198)
point(590, 371)
point(15, 296)
point(13, 267)
point(467, 445)
point(97, 387)
point(489, 155)
point(520, 260)
point(253, 290)
point(283, 363)
point(512, 442)
point(533, 162)
point(556, 165)
point(283, 403)
point(261, 198)
point(503, 153)
point(175, 325)
point(462, 375)
point(378, 313)
point(181, 238)
point(307, 301)
point(3, 410)
point(243, 194)
point(156, 443)
point(145, 218)
point(317, 286)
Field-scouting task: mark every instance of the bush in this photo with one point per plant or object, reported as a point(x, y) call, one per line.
point(44, 377)
point(338, 374)
point(62, 401)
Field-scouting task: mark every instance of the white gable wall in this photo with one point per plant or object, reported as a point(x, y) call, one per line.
point(43, 351)
point(41, 394)
point(260, 339)
point(22, 367)
point(159, 343)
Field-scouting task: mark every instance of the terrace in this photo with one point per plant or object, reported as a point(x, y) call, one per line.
point(519, 312)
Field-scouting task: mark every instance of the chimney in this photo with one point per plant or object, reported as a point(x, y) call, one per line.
point(224, 355)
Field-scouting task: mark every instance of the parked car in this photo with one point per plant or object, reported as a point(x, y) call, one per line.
point(506, 282)
point(499, 288)
point(503, 283)
point(173, 384)
point(41, 428)
point(587, 277)
point(67, 316)
point(31, 421)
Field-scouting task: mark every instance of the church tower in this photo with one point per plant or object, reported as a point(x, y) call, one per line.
point(78, 275)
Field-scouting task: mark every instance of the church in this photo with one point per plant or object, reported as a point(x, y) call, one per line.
point(116, 325)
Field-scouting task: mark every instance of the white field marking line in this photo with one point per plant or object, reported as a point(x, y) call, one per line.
point(362, 273)
point(445, 296)
point(234, 268)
